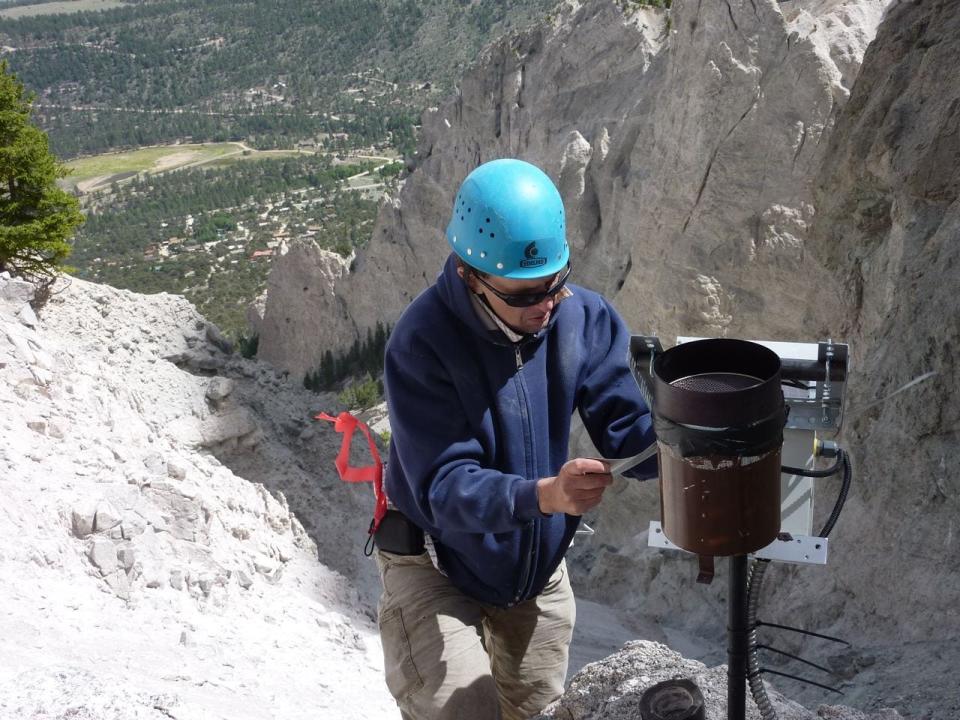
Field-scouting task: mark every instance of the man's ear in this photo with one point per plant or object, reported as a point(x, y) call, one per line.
point(468, 278)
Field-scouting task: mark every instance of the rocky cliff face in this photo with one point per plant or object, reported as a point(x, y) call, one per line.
point(888, 227)
point(883, 233)
point(684, 146)
point(293, 329)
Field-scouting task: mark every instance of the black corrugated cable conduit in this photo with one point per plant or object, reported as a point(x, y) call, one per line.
point(759, 567)
point(759, 692)
point(844, 461)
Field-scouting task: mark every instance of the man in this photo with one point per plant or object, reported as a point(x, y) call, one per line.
point(482, 373)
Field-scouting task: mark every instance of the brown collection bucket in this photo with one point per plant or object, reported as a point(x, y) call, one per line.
point(719, 415)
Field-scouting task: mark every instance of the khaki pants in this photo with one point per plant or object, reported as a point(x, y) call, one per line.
point(450, 657)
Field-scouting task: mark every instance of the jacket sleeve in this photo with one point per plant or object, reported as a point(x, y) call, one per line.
point(441, 476)
point(610, 404)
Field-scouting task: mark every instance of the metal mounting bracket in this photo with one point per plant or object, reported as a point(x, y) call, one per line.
point(797, 549)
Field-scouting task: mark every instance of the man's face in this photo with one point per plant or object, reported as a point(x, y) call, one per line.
point(523, 319)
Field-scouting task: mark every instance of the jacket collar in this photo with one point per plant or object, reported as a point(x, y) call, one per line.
point(457, 296)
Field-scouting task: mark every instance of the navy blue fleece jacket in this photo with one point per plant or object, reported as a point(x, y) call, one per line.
point(477, 420)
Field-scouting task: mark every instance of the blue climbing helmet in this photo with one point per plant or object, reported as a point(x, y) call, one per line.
point(508, 221)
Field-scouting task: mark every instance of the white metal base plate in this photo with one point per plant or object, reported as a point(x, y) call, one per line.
point(800, 549)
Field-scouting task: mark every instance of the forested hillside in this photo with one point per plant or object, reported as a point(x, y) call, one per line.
point(268, 73)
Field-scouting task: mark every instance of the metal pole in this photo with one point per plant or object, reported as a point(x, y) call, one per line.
point(737, 639)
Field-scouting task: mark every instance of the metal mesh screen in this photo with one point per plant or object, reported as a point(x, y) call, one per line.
point(716, 382)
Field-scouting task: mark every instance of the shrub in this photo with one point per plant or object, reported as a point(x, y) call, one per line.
point(362, 395)
point(248, 345)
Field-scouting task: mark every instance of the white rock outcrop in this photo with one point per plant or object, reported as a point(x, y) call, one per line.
point(140, 575)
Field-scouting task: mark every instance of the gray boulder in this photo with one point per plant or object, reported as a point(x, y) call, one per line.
point(103, 554)
point(108, 517)
point(82, 518)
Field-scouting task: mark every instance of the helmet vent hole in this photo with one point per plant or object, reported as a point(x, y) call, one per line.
point(499, 266)
point(480, 230)
point(469, 251)
point(483, 253)
point(488, 219)
point(469, 209)
point(493, 235)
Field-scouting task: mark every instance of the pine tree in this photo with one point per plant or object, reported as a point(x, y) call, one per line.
point(36, 217)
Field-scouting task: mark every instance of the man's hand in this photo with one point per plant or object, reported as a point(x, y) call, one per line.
point(577, 488)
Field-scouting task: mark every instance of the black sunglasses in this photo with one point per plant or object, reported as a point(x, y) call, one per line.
point(527, 299)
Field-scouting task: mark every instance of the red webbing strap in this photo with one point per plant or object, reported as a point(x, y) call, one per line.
point(346, 423)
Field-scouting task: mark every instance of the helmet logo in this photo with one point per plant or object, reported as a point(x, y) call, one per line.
point(530, 257)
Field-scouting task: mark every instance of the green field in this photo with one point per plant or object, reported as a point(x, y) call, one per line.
point(228, 160)
point(63, 7)
point(98, 171)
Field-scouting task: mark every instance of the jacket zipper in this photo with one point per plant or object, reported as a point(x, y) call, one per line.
point(530, 529)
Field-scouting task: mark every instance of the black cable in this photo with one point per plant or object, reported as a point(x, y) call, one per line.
point(803, 680)
point(806, 472)
point(778, 651)
point(844, 460)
